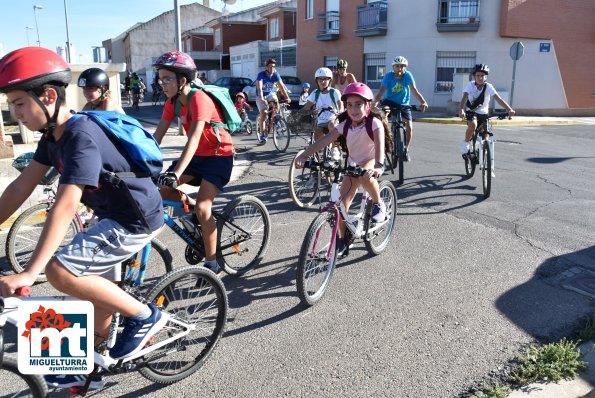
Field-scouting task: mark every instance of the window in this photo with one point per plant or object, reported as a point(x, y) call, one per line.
point(458, 11)
point(309, 9)
point(217, 37)
point(450, 62)
point(374, 69)
point(330, 62)
point(273, 28)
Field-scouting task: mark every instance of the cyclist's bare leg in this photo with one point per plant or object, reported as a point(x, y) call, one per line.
point(204, 202)
point(349, 188)
point(319, 133)
point(174, 195)
point(471, 126)
point(262, 119)
point(97, 290)
point(408, 131)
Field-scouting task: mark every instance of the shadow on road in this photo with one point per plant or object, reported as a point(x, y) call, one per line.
point(542, 307)
point(552, 160)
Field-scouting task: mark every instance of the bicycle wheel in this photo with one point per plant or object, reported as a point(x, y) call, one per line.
point(25, 233)
point(159, 262)
point(486, 172)
point(304, 184)
point(398, 151)
point(249, 127)
point(378, 234)
point(281, 135)
point(316, 262)
point(243, 233)
point(196, 296)
point(16, 384)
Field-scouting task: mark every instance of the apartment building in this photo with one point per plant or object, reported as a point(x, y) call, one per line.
point(443, 39)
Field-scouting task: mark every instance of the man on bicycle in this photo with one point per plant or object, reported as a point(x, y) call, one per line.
point(396, 88)
point(476, 98)
point(265, 84)
point(326, 99)
point(34, 79)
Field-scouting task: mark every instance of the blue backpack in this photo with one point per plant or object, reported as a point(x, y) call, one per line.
point(132, 140)
point(136, 144)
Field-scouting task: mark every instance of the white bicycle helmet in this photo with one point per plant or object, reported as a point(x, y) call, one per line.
point(400, 60)
point(323, 72)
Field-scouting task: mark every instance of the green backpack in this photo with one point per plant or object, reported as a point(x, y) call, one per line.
point(331, 92)
point(222, 100)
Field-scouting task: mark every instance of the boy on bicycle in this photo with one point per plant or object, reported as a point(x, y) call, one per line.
point(265, 85)
point(207, 158)
point(476, 98)
point(364, 151)
point(397, 86)
point(34, 79)
point(326, 99)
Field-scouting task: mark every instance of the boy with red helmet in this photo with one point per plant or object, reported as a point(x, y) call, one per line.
point(207, 158)
point(34, 79)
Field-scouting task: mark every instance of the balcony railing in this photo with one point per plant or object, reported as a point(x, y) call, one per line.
point(371, 19)
point(328, 25)
point(458, 15)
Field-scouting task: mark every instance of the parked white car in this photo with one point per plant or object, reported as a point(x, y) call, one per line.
point(293, 84)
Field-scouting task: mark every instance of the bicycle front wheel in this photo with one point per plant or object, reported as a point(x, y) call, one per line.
point(25, 233)
point(243, 233)
point(378, 234)
point(486, 172)
point(304, 184)
point(192, 295)
point(317, 259)
point(16, 384)
point(399, 151)
point(155, 259)
point(281, 135)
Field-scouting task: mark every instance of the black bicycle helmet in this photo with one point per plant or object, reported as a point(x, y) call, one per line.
point(94, 77)
point(482, 68)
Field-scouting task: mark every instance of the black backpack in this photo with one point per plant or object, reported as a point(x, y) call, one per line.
point(479, 100)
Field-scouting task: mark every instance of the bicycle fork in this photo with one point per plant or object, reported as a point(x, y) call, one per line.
point(329, 252)
point(491, 144)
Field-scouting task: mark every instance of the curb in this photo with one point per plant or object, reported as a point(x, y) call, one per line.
point(496, 122)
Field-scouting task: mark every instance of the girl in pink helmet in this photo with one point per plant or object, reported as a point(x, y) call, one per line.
point(357, 124)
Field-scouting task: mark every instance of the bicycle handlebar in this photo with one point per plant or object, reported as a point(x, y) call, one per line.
point(500, 116)
point(352, 171)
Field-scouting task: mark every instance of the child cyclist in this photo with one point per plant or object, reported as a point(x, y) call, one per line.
point(240, 103)
point(34, 79)
point(326, 99)
point(476, 98)
point(207, 158)
point(363, 151)
point(95, 85)
point(304, 94)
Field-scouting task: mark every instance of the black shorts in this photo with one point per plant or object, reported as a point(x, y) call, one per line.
point(214, 169)
point(405, 112)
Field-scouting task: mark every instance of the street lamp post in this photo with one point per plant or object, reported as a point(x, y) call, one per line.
point(35, 8)
point(67, 34)
point(27, 29)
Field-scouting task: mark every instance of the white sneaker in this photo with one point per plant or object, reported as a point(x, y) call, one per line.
point(493, 174)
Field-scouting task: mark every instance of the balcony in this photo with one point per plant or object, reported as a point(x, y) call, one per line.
point(458, 24)
point(328, 25)
point(371, 19)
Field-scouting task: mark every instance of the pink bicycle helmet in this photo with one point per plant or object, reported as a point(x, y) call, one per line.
point(177, 62)
point(360, 89)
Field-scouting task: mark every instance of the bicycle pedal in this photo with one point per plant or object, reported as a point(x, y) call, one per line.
point(75, 391)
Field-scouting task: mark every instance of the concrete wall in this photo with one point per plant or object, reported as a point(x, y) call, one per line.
point(412, 33)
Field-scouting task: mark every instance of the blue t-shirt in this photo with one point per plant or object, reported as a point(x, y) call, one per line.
point(80, 154)
point(268, 82)
point(398, 90)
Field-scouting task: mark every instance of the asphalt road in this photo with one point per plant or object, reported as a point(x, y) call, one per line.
point(464, 285)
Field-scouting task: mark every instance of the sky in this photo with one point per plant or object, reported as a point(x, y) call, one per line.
point(89, 22)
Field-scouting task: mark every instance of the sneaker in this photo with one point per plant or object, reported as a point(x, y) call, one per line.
point(136, 333)
point(464, 147)
point(493, 174)
point(406, 158)
point(66, 381)
point(378, 212)
point(263, 139)
point(213, 267)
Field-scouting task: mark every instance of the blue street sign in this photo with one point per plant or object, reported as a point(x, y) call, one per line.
point(544, 47)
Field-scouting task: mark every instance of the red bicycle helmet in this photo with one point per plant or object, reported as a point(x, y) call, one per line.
point(177, 62)
point(31, 67)
point(359, 89)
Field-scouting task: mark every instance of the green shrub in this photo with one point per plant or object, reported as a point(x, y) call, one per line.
point(496, 391)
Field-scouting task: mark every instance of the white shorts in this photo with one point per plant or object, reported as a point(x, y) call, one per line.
point(262, 105)
point(101, 250)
